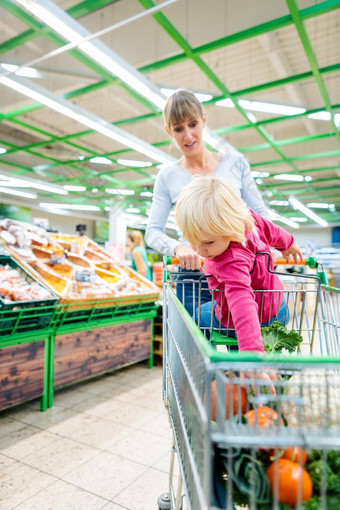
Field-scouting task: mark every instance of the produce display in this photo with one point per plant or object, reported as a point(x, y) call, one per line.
point(75, 268)
point(14, 287)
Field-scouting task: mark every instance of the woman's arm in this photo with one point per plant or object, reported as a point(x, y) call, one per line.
point(155, 235)
point(139, 261)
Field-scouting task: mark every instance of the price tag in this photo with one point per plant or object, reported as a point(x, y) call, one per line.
point(56, 258)
point(85, 276)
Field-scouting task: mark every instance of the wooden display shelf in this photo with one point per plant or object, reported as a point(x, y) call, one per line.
point(158, 345)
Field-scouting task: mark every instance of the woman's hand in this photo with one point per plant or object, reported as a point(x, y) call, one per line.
point(188, 258)
point(293, 251)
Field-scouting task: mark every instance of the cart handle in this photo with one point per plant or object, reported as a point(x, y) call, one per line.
point(310, 262)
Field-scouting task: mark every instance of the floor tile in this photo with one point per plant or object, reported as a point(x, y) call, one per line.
point(61, 457)
point(142, 447)
point(63, 496)
point(25, 441)
point(101, 433)
point(105, 475)
point(5, 461)
point(68, 397)
point(131, 414)
point(19, 482)
point(159, 424)
point(8, 426)
point(144, 492)
point(98, 405)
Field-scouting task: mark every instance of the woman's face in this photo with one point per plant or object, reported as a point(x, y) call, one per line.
point(188, 135)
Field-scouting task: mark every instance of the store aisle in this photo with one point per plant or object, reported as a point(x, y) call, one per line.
point(105, 444)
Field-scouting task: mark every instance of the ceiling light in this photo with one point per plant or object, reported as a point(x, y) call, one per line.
point(260, 174)
point(114, 191)
point(320, 205)
point(298, 219)
point(279, 202)
point(279, 109)
point(201, 96)
point(101, 160)
point(3, 150)
point(308, 178)
point(32, 183)
point(135, 163)
point(28, 72)
point(301, 207)
point(18, 193)
point(289, 177)
point(325, 116)
point(74, 207)
point(74, 188)
point(227, 103)
point(132, 210)
point(94, 190)
point(84, 117)
point(146, 194)
point(277, 217)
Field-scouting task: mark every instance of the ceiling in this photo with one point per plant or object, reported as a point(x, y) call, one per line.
point(282, 52)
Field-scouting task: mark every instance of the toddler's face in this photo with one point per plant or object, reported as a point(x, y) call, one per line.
point(210, 246)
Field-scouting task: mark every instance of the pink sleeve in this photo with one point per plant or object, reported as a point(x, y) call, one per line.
point(276, 236)
point(241, 303)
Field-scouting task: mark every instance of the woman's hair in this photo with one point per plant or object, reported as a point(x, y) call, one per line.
point(210, 205)
point(181, 106)
point(136, 237)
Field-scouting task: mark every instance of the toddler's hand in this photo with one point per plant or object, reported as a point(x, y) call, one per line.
point(294, 252)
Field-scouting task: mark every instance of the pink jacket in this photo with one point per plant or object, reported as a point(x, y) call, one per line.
point(232, 271)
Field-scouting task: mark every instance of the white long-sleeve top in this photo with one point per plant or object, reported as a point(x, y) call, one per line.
point(171, 179)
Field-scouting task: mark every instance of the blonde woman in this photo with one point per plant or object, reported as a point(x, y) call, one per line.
point(221, 228)
point(139, 256)
point(185, 120)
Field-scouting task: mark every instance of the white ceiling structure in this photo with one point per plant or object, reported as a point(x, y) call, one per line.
point(94, 88)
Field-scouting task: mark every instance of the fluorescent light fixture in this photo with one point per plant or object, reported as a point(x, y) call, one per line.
point(301, 207)
point(227, 103)
point(94, 190)
point(73, 207)
point(32, 183)
point(325, 116)
point(201, 96)
point(114, 191)
point(308, 178)
point(70, 29)
point(146, 194)
point(279, 202)
point(265, 107)
point(320, 205)
point(101, 160)
point(298, 219)
point(132, 210)
point(74, 188)
point(18, 193)
point(3, 150)
point(27, 72)
point(260, 174)
point(135, 163)
point(84, 117)
point(277, 217)
point(289, 177)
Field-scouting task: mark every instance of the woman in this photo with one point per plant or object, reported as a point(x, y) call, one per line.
point(139, 256)
point(185, 120)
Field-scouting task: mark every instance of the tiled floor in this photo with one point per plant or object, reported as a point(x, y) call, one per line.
point(105, 444)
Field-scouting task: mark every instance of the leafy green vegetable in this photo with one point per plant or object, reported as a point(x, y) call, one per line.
point(277, 337)
point(319, 470)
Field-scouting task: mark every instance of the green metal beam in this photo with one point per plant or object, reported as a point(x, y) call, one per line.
point(298, 158)
point(294, 11)
point(286, 141)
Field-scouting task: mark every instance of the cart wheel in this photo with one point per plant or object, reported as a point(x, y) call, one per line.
point(164, 502)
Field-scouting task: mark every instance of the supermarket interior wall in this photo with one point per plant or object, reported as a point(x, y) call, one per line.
point(321, 237)
point(66, 224)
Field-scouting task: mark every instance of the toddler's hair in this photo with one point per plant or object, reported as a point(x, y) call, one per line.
point(210, 205)
point(181, 106)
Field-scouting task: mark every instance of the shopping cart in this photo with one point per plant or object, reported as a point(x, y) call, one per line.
point(223, 463)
